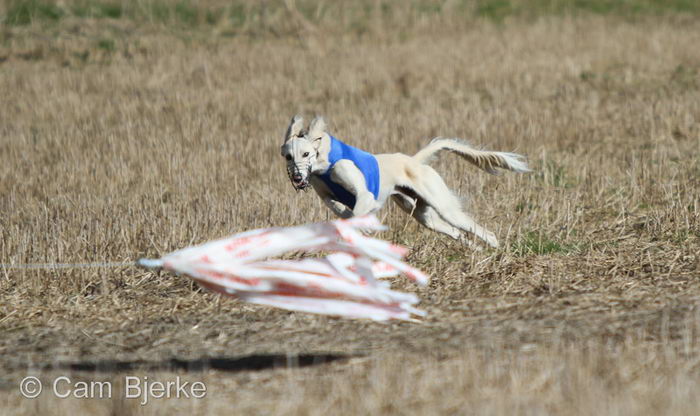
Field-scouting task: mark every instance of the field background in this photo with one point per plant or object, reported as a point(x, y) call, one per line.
point(133, 128)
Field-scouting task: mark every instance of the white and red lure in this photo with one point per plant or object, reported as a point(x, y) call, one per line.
point(344, 283)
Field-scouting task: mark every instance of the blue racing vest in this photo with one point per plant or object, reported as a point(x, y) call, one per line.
point(366, 162)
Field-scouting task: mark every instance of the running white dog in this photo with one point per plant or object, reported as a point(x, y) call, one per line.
point(353, 182)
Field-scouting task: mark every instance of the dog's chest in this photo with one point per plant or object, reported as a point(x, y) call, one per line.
point(364, 161)
point(337, 190)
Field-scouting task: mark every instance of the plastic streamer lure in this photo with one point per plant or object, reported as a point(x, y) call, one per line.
point(343, 283)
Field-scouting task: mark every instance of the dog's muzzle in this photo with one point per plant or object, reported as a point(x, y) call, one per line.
point(299, 182)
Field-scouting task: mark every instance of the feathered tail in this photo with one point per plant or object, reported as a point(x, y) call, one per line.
point(486, 160)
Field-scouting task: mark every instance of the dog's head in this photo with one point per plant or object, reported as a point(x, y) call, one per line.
point(301, 148)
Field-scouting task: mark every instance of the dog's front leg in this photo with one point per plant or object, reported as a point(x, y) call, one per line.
point(346, 174)
point(338, 208)
point(365, 204)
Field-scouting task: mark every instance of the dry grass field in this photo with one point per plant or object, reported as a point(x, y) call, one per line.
point(128, 131)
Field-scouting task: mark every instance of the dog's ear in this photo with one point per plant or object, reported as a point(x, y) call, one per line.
point(317, 128)
point(295, 127)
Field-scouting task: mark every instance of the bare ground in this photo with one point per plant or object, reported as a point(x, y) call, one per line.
point(169, 139)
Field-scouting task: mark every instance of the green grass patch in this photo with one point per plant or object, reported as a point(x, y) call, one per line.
point(684, 235)
point(686, 76)
point(186, 13)
point(554, 174)
point(98, 10)
point(497, 10)
point(537, 243)
point(107, 45)
point(353, 15)
point(24, 12)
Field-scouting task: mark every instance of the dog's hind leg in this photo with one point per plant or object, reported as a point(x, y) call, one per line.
point(426, 184)
point(425, 215)
point(429, 218)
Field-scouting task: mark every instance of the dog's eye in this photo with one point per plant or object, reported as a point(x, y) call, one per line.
point(289, 157)
point(306, 154)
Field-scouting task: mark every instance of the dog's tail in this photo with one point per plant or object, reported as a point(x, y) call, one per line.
point(484, 159)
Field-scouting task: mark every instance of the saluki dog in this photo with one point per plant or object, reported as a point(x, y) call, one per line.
point(353, 182)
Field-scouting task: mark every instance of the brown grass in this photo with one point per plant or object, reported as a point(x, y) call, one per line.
point(171, 138)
